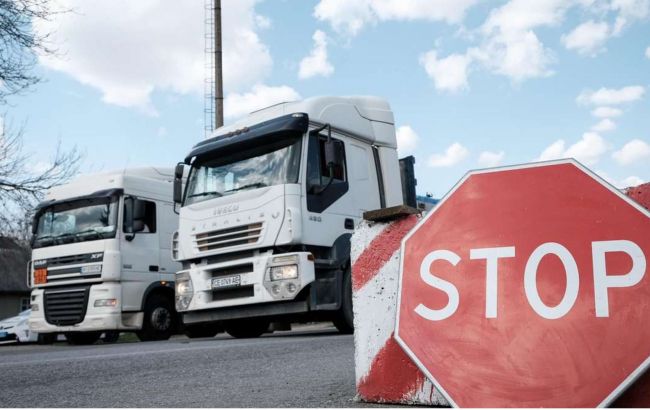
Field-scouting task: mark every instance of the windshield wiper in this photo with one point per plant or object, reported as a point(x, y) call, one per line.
point(255, 185)
point(44, 238)
point(217, 193)
point(91, 230)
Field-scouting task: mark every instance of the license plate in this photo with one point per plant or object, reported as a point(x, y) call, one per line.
point(227, 282)
point(3, 334)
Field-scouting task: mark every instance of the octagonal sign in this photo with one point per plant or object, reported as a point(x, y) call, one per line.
point(528, 286)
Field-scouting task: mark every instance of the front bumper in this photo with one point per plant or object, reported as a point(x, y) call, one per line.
point(95, 319)
point(255, 286)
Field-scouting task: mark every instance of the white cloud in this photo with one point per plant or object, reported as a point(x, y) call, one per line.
point(629, 11)
point(611, 96)
point(634, 151)
point(260, 96)
point(588, 38)
point(316, 63)
point(604, 125)
point(448, 73)
point(511, 46)
point(606, 112)
point(128, 49)
point(627, 182)
point(407, 140)
point(350, 17)
point(489, 159)
point(647, 52)
point(454, 154)
point(588, 150)
point(631, 181)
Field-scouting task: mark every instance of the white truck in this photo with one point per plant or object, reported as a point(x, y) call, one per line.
point(101, 258)
point(268, 210)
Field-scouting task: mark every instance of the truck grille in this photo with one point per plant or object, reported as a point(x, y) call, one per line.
point(65, 307)
point(225, 238)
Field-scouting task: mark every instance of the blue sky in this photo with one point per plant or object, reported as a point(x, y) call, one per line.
point(472, 83)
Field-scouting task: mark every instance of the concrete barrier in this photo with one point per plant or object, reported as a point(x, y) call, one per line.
point(384, 373)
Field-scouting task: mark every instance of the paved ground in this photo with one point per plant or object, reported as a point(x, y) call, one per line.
point(305, 368)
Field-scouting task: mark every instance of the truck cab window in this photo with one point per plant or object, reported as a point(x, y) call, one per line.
point(144, 216)
point(326, 172)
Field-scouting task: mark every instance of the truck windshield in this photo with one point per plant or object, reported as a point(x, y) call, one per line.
point(222, 175)
point(75, 221)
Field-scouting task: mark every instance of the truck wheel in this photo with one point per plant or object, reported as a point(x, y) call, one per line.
point(202, 330)
point(247, 328)
point(46, 338)
point(111, 336)
point(158, 322)
point(82, 338)
point(344, 320)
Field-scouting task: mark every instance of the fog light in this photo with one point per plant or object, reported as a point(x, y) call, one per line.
point(91, 269)
point(284, 272)
point(105, 302)
point(275, 289)
point(34, 307)
point(183, 302)
point(291, 287)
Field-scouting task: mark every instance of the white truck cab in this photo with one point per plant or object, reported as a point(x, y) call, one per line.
point(101, 258)
point(269, 208)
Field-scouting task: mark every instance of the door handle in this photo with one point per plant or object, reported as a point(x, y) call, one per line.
point(153, 268)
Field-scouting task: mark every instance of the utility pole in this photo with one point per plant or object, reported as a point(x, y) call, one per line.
point(218, 66)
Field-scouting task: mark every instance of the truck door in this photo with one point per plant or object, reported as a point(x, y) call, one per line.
point(140, 250)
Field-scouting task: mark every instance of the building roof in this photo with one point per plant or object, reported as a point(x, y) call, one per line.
point(13, 266)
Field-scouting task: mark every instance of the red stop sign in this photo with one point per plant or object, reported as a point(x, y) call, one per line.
point(528, 286)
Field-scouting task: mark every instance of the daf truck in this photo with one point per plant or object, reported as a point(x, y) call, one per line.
point(268, 210)
point(101, 259)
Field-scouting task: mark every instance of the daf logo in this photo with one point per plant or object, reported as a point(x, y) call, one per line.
point(95, 256)
point(228, 209)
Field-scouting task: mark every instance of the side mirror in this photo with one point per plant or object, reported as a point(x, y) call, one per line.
point(134, 214)
point(330, 156)
point(178, 183)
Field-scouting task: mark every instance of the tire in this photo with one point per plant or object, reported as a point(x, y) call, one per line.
point(247, 328)
point(82, 338)
point(46, 338)
point(344, 320)
point(202, 330)
point(159, 318)
point(111, 336)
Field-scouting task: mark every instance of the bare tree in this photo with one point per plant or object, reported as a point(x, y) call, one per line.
point(20, 43)
point(24, 181)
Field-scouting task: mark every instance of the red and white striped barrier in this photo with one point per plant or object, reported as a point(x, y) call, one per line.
point(384, 373)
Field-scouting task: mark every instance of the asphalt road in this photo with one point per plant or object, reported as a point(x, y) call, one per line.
point(305, 368)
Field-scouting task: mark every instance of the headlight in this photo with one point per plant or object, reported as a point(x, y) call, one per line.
point(184, 291)
point(105, 302)
point(91, 269)
point(284, 272)
point(184, 288)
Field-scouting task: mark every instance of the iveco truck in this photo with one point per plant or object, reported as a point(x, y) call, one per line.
point(268, 210)
point(101, 258)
